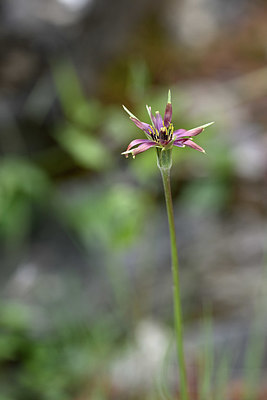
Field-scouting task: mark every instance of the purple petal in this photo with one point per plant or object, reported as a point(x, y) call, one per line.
point(199, 129)
point(183, 133)
point(195, 131)
point(142, 125)
point(178, 143)
point(137, 141)
point(140, 149)
point(143, 147)
point(180, 133)
point(193, 145)
point(168, 115)
point(158, 122)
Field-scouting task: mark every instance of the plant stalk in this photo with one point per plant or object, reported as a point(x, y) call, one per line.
point(165, 173)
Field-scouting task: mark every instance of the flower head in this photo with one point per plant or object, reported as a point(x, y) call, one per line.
point(161, 134)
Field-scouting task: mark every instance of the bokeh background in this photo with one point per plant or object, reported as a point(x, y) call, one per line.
point(86, 287)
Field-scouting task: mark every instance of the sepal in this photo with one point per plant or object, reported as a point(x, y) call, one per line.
point(164, 158)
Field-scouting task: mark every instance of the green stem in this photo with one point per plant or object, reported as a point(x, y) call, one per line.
point(165, 173)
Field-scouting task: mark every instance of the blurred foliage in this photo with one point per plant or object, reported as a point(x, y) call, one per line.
point(108, 217)
point(78, 135)
point(86, 150)
point(22, 184)
point(106, 201)
point(107, 211)
point(56, 365)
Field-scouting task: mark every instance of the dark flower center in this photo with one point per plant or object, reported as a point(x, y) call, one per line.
point(165, 134)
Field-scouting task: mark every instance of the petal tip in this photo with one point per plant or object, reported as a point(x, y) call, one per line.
point(208, 124)
point(126, 153)
point(169, 96)
point(129, 112)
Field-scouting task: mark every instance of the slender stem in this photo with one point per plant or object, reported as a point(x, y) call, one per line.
point(165, 173)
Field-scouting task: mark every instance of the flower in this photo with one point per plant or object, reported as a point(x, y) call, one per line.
point(161, 133)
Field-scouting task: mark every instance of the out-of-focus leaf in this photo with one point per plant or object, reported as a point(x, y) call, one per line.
point(75, 105)
point(110, 217)
point(21, 184)
point(67, 85)
point(19, 175)
point(87, 150)
point(88, 114)
point(15, 316)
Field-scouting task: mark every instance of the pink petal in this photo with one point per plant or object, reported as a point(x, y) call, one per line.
point(195, 131)
point(168, 115)
point(140, 149)
point(142, 125)
point(137, 141)
point(158, 122)
point(180, 133)
point(143, 147)
point(179, 143)
point(193, 145)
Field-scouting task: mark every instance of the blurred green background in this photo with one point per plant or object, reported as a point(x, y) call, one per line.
point(86, 289)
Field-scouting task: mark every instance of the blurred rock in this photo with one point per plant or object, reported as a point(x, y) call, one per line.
point(137, 369)
point(194, 22)
point(253, 150)
point(197, 23)
point(23, 280)
point(29, 14)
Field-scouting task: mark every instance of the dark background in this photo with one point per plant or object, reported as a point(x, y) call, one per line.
point(86, 290)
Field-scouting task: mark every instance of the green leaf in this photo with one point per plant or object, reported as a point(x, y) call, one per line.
point(85, 149)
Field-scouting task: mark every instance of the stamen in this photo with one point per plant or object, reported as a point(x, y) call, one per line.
point(150, 130)
point(163, 135)
point(170, 131)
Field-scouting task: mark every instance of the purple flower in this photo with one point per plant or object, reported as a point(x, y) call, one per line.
point(161, 133)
